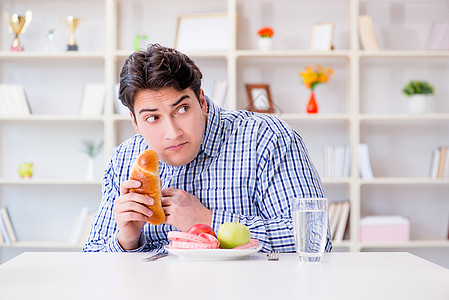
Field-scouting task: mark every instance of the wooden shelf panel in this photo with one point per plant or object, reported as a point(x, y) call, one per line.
point(34, 181)
point(405, 180)
point(410, 244)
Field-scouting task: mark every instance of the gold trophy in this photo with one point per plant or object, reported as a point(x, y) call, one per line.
point(72, 23)
point(18, 24)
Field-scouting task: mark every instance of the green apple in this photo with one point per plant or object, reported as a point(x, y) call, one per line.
point(26, 170)
point(231, 235)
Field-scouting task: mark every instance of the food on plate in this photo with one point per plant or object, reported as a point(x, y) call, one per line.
point(233, 234)
point(146, 170)
point(198, 228)
point(201, 236)
point(184, 240)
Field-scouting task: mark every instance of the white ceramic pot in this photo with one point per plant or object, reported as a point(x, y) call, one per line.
point(265, 43)
point(90, 174)
point(418, 104)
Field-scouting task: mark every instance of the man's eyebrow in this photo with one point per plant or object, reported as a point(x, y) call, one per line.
point(180, 100)
point(156, 109)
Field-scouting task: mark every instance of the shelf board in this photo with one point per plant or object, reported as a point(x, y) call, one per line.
point(286, 117)
point(313, 117)
point(329, 180)
point(404, 180)
point(341, 244)
point(53, 118)
point(6, 55)
point(213, 54)
point(404, 117)
point(42, 245)
point(37, 181)
point(403, 54)
point(117, 117)
point(292, 53)
point(410, 244)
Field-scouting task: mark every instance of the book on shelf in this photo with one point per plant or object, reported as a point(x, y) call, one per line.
point(217, 92)
point(6, 228)
point(334, 213)
point(81, 227)
point(367, 34)
point(3, 231)
point(78, 226)
point(338, 219)
point(438, 36)
point(439, 162)
point(365, 167)
point(337, 161)
point(13, 100)
point(8, 223)
point(92, 103)
point(2, 240)
point(86, 229)
point(118, 106)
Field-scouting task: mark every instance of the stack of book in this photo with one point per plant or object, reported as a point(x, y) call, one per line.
point(92, 103)
point(7, 232)
point(217, 92)
point(13, 100)
point(81, 227)
point(338, 219)
point(439, 164)
point(365, 167)
point(337, 161)
point(438, 37)
point(367, 33)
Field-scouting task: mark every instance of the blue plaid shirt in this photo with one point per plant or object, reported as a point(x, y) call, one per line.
point(248, 169)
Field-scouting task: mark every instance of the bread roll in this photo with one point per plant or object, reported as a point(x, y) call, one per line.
point(146, 170)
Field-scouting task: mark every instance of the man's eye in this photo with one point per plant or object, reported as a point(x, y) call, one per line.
point(183, 109)
point(151, 119)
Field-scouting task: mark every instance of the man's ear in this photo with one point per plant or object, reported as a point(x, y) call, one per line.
point(203, 102)
point(133, 119)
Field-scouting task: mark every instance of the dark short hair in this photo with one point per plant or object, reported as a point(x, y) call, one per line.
point(156, 68)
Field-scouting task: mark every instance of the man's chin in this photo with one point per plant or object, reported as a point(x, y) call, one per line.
point(177, 161)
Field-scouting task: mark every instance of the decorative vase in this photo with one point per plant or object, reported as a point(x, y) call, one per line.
point(418, 104)
point(265, 43)
point(90, 174)
point(312, 106)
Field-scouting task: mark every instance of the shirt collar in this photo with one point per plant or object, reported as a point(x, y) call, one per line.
point(212, 135)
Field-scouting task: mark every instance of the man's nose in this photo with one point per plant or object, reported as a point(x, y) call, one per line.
point(172, 130)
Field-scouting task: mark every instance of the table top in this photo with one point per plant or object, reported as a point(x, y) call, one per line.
point(349, 275)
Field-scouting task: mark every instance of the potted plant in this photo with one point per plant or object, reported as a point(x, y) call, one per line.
point(265, 40)
point(313, 76)
point(419, 93)
point(92, 150)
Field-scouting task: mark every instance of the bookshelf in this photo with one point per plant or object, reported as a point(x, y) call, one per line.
point(362, 103)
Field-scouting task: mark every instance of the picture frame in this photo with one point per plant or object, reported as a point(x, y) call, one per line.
point(322, 36)
point(203, 32)
point(259, 98)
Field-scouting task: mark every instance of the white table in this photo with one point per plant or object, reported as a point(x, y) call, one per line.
point(125, 276)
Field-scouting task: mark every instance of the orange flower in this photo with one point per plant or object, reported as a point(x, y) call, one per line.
point(265, 32)
point(313, 76)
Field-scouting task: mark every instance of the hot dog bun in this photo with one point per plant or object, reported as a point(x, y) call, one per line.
point(146, 170)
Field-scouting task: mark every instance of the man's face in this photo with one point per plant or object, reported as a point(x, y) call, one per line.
point(171, 122)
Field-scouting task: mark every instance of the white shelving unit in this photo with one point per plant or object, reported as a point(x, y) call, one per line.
point(362, 103)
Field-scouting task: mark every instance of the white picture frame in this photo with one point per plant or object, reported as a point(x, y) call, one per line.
point(322, 36)
point(203, 32)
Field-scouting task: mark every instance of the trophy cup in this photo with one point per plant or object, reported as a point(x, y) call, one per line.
point(72, 23)
point(18, 24)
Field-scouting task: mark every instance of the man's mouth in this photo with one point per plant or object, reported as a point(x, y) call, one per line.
point(175, 147)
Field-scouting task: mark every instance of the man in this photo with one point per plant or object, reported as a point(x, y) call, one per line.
point(216, 166)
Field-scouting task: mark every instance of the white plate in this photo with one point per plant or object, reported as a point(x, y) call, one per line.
point(212, 254)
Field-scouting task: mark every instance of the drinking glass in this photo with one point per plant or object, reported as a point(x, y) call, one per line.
point(310, 227)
